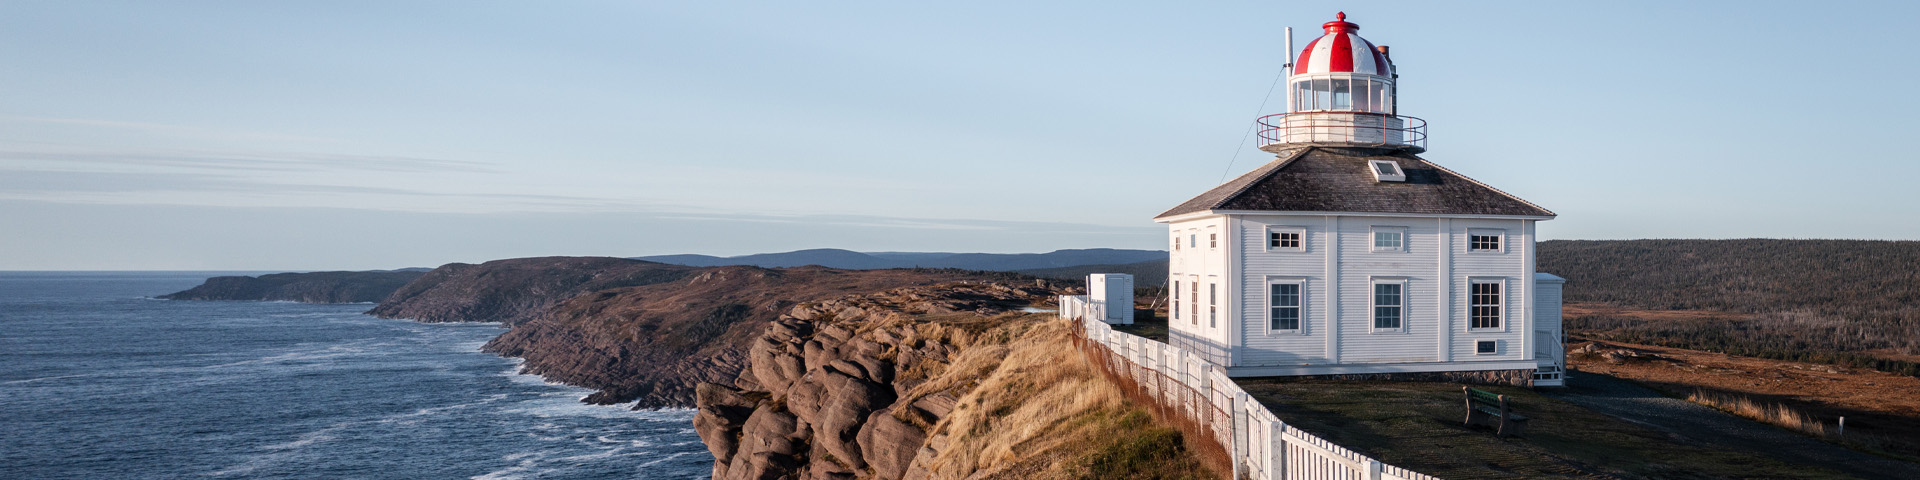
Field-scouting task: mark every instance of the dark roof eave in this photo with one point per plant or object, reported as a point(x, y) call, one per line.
point(1491, 216)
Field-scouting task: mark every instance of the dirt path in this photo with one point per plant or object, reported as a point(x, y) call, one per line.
point(1689, 423)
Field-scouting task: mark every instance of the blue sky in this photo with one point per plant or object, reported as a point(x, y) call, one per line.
point(322, 135)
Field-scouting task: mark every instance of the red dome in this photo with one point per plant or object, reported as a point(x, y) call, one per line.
point(1341, 51)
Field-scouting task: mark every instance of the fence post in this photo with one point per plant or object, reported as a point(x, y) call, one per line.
point(1373, 469)
point(1240, 449)
point(1278, 468)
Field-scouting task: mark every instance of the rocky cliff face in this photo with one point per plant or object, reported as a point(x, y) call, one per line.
point(312, 287)
point(922, 382)
point(654, 343)
point(636, 331)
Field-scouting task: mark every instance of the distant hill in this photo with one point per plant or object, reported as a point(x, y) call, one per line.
point(1151, 273)
point(309, 287)
point(848, 259)
point(1852, 302)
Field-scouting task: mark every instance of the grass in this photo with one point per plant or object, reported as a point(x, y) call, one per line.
point(1417, 426)
point(1028, 406)
point(1783, 416)
point(1133, 447)
point(1769, 413)
point(1152, 329)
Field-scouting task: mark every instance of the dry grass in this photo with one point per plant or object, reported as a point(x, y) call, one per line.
point(1781, 415)
point(1030, 407)
point(1769, 413)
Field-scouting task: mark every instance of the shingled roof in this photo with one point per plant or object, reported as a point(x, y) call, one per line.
point(1328, 179)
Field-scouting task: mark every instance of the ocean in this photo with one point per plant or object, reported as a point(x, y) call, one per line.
point(99, 380)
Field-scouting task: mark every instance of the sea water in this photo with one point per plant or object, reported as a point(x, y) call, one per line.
point(99, 380)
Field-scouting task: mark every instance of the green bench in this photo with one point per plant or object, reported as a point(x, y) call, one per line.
point(1493, 410)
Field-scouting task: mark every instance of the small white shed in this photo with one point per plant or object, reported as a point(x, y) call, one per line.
point(1111, 295)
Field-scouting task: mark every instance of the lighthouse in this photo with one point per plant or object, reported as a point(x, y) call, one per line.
point(1349, 254)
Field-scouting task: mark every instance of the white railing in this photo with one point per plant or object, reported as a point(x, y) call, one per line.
point(1079, 306)
point(1202, 402)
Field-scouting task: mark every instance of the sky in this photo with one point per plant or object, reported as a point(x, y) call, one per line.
point(200, 135)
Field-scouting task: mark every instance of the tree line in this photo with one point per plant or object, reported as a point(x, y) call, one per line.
point(1825, 301)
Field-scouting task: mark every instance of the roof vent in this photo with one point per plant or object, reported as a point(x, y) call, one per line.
point(1387, 171)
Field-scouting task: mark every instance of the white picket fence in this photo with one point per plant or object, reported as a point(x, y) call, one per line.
point(1205, 403)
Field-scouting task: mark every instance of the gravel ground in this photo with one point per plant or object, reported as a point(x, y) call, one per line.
point(1690, 423)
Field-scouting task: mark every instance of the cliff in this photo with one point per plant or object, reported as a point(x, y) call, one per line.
point(635, 331)
point(652, 344)
point(312, 287)
point(928, 382)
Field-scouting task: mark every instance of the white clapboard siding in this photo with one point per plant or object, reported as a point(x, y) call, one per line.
point(1360, 265)
point(1265, 347)
point(1202, 259)
point(1509, 265)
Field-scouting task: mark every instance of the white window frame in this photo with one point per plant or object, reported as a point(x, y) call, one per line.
point(1373, 238)
point(1301, 283)
point(1213, 238)
point(1398, 175)
point(1193, 300)
point(1176, 242)
point(1486, 232)
point(1506, 314)
point(1279, 229)
point(1496, 347)
point(1373, 303)
point(1213, 305)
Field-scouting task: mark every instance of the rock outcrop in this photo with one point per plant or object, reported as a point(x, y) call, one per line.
point(635, 331)
point(652, 344)
point(311, 287)
point(852, 387)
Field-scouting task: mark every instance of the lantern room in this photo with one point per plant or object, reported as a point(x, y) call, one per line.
point(1340, 91)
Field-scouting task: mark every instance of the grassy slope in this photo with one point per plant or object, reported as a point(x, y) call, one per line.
point(1032, 408)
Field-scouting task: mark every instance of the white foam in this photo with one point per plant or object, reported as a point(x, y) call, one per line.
point(519, 470)
point(669, 457)
point(31, 380)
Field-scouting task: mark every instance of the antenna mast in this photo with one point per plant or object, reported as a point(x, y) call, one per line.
point(1287, 69)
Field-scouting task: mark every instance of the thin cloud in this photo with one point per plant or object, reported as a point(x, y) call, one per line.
point(52, 159)
point(163, 128)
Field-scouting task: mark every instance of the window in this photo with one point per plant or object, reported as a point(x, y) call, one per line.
point(1389, 304)
point(1286, 239)
point(1360, 100)
point(1485, 240)
point(1322, 94)
point(1486, 347)
point(1176, 243)
point(1213, 240)
point(1193, 239)
point(1342, 95)
point(1380, 102)
point(1194, 302)
point(1484, 306)
point(1284, 305)
point(1387, 171)
point(1389, 239)
point(1213, 308)
point(1176, 300)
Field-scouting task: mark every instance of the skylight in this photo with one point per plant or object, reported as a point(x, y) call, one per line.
point(1388, 171)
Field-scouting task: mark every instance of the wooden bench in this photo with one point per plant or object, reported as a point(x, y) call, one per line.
point(1493, 410)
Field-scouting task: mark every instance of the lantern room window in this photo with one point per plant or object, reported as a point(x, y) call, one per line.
point(1359, 94)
